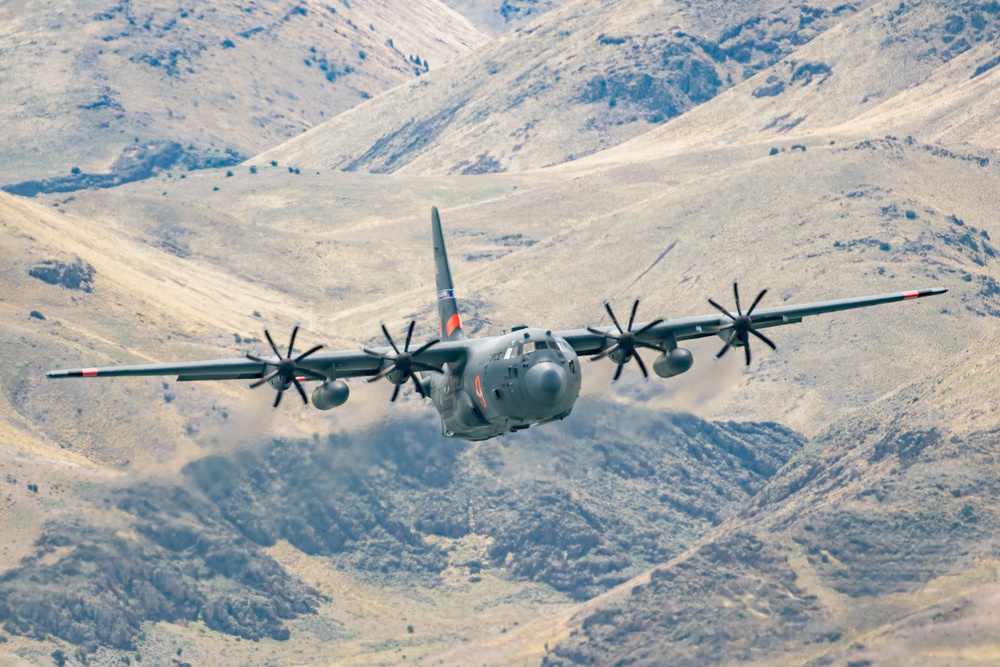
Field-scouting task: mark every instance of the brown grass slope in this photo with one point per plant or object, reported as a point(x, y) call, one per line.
point(920, 69)
point(82, 80)
point(579, 79)
point(876, 547)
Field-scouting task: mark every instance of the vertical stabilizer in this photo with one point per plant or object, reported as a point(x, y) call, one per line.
point(451, 323)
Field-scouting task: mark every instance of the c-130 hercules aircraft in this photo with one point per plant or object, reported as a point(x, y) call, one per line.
point(491, 386)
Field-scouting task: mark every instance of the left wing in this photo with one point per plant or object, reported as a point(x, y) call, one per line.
point(318, 366)
point(665, 333)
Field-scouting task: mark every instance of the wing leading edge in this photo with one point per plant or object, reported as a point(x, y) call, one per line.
point(336, 364)
point(589, 341)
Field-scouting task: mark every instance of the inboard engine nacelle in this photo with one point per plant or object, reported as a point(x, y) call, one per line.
point(331, 394)
point(674, 362)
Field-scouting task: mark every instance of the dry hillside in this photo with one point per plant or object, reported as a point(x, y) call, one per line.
point(835, 503)
point(84, 80)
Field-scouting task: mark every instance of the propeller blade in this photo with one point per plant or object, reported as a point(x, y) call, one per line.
point(291, 341)
point(409, 336)
point(382, 374)
point(417, 384)
point(259, 360)
point(631, 318)
point(395, 394)
point(746, 351)
point(647, 328)
point(307, 353)
point(642, 366)
point(729, 344)
point(267, 378)
point(302, 392)
point(267, 335)
point(423, 348)
point(375, 354)
point(721, 309)
point(736, 293)
point(277, 399)
point(389, 338)
point(756, 301)
point(605, 353)
point(618, 373)
point(607, 334)
point(607, 307)
point(764, 338)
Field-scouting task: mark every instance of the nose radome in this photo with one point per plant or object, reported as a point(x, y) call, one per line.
point(545, 383)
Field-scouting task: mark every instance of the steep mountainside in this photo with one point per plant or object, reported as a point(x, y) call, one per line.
point(875, 546)
point(579, 79)
point(85, 80)
point(920, 69)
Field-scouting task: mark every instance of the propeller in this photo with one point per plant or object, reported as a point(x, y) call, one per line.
point(625, 340)
point(742, 325)
point(404, 363)
point(286, 368)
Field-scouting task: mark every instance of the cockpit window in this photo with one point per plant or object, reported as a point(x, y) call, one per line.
point(564, 346)
point(529, 347)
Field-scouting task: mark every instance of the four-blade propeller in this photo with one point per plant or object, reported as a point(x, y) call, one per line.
point(286, 368)
point(404, 363)
point(742, 325)
point(626, 341)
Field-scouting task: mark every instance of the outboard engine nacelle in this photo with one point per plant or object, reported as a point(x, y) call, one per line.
point(674, 362)
point(331, 394)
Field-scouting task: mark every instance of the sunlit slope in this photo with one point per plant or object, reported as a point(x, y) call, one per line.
point(923, 70)
point(140, 305)
point(83, 80)
point(579, 79)
point(873, 546)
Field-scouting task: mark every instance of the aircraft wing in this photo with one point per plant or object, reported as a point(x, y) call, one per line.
point(591, 340)
point(317, 366)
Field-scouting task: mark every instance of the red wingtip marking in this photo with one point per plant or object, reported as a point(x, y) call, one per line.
point(454, 322)
point(911, 295)
point(89, 372)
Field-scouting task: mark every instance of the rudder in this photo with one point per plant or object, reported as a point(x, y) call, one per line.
point(451, 323)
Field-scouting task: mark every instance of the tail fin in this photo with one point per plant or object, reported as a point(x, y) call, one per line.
point(451, 323)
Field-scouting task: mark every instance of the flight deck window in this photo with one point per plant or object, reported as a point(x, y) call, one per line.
point(529, 347)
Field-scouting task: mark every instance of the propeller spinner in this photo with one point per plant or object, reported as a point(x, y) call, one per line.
point(742, 327)
point(403, 364)
point(626, 341)
point(286, 369)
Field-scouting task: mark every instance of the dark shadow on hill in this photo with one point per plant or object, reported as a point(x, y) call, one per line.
point(580, 506)
point(136, 163)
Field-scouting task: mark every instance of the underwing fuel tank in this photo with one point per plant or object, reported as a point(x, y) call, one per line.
point(672, 363)
point(331, 394)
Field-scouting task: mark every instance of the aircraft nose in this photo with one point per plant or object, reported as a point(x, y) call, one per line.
point(545, 383)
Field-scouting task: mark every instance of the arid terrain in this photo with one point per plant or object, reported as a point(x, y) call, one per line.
point(834, 504)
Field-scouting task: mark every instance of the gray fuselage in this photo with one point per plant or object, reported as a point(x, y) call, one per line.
point(507, 383)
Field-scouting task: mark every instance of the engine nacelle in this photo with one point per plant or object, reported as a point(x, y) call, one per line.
point(672, 363)
point(331, 394)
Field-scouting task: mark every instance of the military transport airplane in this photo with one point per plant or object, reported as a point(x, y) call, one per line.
point(490, 386)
